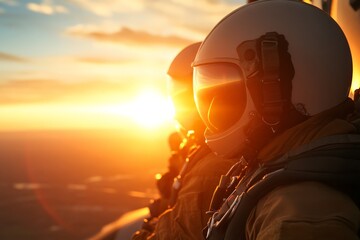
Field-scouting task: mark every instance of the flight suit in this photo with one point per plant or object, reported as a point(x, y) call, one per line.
point(188, 216)
point(305, 210)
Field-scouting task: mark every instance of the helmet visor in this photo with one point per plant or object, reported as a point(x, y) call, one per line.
point(182, 98)
point(220, 94)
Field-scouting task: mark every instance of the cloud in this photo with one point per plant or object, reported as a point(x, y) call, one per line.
point(41, 91)
point(109, 7)
point(175, 22)
point(101, 60)
point(46, 7)
point(193, 17)
point(129, 36)
point(28, 91)
point(11, 58)
point(9, 2)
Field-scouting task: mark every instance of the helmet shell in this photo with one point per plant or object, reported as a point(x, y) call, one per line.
point(180, 81)
point(319, 49)
point(180, 67)
point(319, 52)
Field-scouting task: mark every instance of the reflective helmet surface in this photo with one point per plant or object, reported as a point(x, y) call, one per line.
point(180, 81)
point(319, 57)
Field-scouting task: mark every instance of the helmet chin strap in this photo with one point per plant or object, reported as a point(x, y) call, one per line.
point(273, 101)
point(258, 134)
point(275, 110)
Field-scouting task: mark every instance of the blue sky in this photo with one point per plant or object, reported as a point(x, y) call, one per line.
point(44, 31)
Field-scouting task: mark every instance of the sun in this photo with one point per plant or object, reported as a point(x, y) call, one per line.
point(150, 109)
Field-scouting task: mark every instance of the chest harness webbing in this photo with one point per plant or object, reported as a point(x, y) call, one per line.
point(333, 160)
point(196, 152)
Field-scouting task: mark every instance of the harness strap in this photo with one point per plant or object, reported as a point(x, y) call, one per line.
point(296, 171)
point(333, 160)
point(227, 185)
point(196, 154)
point(273, 101)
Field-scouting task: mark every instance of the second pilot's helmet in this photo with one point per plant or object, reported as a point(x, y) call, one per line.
point(180, 85)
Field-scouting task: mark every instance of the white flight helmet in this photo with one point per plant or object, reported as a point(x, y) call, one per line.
point(263, 59)
point(180, 87)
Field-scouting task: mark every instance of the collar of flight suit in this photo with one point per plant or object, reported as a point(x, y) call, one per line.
point(327, 123)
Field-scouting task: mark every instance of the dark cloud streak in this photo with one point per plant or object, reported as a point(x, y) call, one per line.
point(129, 36)
point(38, 91)
point(11, 58)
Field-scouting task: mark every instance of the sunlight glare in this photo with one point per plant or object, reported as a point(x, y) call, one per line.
point(149, 109)
point(355, 82)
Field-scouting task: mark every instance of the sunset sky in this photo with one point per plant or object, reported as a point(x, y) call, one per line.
point(94, 63)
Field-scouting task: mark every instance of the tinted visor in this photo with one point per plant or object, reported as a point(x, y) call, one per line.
point(182, 97)
point(220, 94)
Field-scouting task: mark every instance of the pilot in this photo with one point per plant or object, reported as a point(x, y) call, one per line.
point(271, 84)
point(193, 187)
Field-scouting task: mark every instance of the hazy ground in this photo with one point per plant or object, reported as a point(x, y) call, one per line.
point(66, 185)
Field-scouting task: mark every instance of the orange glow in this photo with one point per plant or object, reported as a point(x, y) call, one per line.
point(356, 81)
point(42, 199)
point(347, 19)
point(148, 109)
point(125, 220)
